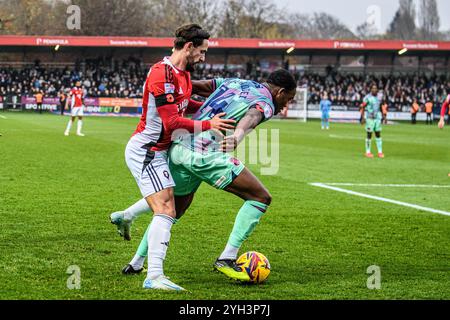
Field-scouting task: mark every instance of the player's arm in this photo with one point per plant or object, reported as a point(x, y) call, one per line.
point(204, 88)
point(173, 121)
point(362, 108)
point(72, 100)
point(160, 84)
point(193, 106)
point(250, 121)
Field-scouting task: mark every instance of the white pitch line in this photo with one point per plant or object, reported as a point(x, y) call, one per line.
point(388, 185)
point(3, 117)
point(359, 194)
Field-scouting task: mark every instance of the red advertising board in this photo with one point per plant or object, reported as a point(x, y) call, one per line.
point(225, 43)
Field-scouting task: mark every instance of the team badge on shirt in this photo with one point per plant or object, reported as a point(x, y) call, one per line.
point(169, 88)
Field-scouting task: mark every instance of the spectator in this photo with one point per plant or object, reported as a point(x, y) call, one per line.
point(62, 101)
point(429, 111)
point(414, 110)
point(384, 111)
point(39, 98)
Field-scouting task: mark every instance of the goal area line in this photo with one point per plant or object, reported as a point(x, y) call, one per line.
point(333, 186)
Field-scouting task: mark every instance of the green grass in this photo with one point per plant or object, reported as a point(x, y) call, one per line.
point(56, 194)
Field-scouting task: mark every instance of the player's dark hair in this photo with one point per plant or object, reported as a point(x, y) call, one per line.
point(190, 33)
point(283, 79)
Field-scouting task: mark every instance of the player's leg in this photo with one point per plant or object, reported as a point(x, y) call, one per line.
point(69, 125)
point(377, 128)
point(379, 142)
point(136, 264)
point(80, 123)
point(369, 130)
point(135, 156)
point(256, 202)
point(220, 170)
point(156, 186)
point(369, 144)
point(327, 122)
point(186, 184)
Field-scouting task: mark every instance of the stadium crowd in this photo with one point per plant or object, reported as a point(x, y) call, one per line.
point(125, 79)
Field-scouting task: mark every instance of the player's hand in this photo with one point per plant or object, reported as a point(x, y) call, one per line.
point(221, 124)
point(441, 124)
point(229, 143)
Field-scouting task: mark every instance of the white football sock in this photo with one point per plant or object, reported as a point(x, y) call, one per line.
point(79, 126)
point(158, 242)
point(137, 262)
point(136, 210)
point(69, 125)
point(229, 252)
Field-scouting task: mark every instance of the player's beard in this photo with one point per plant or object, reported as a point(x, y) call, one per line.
point(190, 67)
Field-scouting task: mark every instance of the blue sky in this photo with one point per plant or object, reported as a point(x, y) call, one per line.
point(354, 12)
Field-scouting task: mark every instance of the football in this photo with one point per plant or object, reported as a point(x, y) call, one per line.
point(256, 265)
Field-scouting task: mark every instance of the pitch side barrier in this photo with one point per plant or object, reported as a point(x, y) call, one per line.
point(132, 106)
point(92, 105)
point(351, 113)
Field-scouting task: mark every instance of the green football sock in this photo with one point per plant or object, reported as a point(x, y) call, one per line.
point(246, 220)
point(143, 246)
point(368, 145)
point(379, 145)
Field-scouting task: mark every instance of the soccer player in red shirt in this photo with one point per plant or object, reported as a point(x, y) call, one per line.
point(167, 97)
point(445, 106)
point(76, 105)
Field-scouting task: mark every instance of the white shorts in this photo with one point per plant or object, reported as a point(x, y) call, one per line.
point(77, 112)
point(149, 168)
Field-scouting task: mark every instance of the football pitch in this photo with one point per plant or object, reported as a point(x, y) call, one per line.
point(334, 214)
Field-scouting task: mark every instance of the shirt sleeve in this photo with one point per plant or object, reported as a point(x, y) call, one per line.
point(172, 120)
point(365, 101)
point(218, 82)
point(161, 85)
point(193, 106)
point(265, 108)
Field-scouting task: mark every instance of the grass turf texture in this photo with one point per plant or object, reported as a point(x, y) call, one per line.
point(56, 194)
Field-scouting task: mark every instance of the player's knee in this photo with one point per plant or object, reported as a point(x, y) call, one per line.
point(164, 207)
point(265, 197)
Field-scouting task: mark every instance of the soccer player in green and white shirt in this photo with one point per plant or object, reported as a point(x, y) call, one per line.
point(371, 114)
point(200, 157)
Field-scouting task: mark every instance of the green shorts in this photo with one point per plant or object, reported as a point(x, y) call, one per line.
point(189, 168)
point(373, 125)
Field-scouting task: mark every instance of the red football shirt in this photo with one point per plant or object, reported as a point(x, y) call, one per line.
point(445, 106)
point(76, 96)
point(167, 94)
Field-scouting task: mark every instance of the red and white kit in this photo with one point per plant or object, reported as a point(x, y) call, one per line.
point(167, 96)
point(445, 106)
point(76, 102)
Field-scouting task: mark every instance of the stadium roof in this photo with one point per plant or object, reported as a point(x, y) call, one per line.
point(143, 42)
